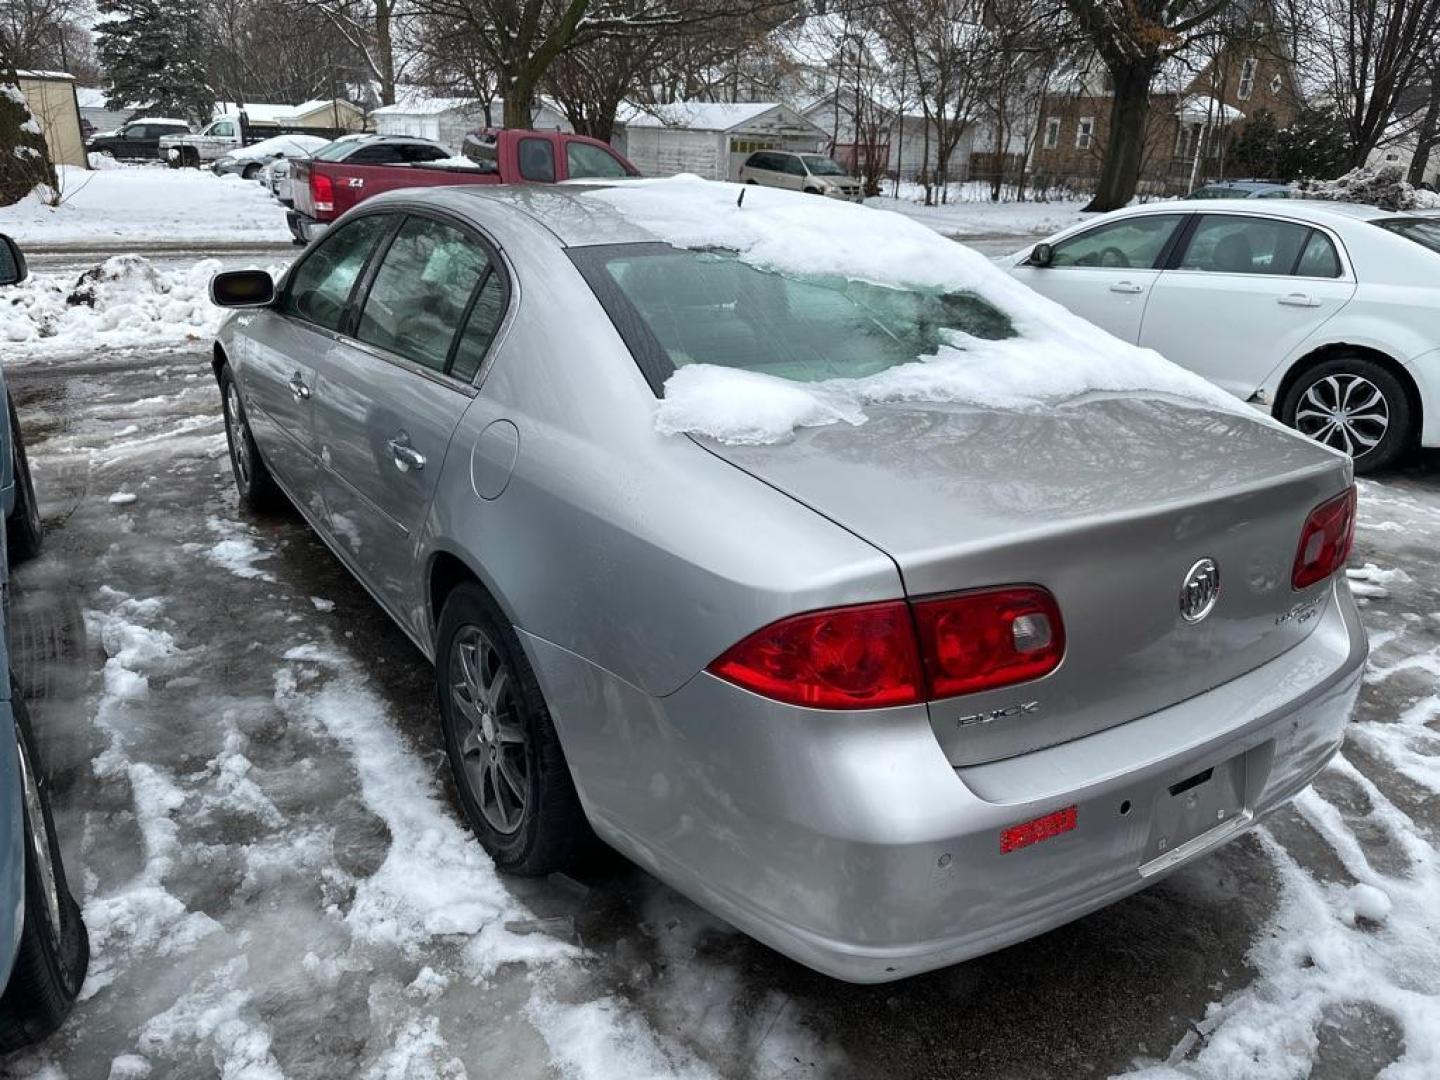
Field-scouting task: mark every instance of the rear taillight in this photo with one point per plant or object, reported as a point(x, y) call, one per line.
point(1325, 541)
point(859, 657)
point(893, 653)
point(322, 192)
point(983, 640)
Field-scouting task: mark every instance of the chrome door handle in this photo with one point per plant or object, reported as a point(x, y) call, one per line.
point(1296, 299)
point(1126, 287)
point(298, 390)
point(405, 456)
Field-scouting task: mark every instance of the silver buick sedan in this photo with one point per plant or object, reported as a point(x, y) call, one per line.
point(877, 604)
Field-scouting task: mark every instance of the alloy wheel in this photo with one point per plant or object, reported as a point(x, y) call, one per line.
point(239, 436)
point(491, 736)
point(1348, 412)
point(40, 840)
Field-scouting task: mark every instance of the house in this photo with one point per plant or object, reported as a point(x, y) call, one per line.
point(449, 119)
point(95, 113)
point(51, 98)
point(1199, 104)
point(332, 114)
point(711, 138)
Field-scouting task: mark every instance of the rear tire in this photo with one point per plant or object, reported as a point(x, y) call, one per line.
point(1352, 403)
point(23, 530)
point(250, 172)
point(253, 483)
point(54, 948)
point(504, 753)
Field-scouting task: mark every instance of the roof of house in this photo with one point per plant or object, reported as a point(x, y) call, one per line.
point(696, 115)
point(63, 76)
point(412, 101)
point(268, 113)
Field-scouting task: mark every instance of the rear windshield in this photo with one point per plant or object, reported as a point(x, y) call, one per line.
point(1424, 231)
point(708, 307)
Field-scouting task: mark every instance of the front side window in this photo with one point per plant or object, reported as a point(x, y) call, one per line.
point(1222, 244)
point(792, 165)
point(711, 308)
point(421, 290)
point(820, 165)
point(1132, 244)
point(583, 161)
point(224, 128)
point(319, 288)
point(537, 160)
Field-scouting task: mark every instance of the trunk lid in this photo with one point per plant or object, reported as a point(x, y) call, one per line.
point(1108, 502)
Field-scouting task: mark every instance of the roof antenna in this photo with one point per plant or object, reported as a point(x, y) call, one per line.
point(741, 200)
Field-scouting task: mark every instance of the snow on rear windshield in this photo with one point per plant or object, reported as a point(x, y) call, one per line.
point(711, 308)
point(832, 255)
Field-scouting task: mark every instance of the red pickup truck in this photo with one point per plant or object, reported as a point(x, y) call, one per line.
point(323, 190)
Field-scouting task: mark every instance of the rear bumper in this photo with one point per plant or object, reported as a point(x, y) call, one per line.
point(303, 228)
point(849, 843)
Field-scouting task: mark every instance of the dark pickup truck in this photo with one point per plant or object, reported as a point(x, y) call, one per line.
point(323, 190)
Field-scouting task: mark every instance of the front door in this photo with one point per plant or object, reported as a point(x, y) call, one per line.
point(284, 344)
point(1246, 292)
point(391, 394)
point(1105, 274)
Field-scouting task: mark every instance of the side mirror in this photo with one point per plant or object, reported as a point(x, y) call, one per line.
point(242, 288)
point(1042, 255)
point(12, 262)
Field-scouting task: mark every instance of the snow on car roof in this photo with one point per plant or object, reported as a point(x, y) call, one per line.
point(160, 120)
point(299, 145)
point(1054, 357)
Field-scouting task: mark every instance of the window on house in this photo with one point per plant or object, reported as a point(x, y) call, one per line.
point(1084, 133)
point(1247, 78)
point(1052, 133)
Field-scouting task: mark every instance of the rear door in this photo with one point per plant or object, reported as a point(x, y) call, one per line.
point(282, 345)
point(1105, 274)
point(393, 390)
point(1243, 294)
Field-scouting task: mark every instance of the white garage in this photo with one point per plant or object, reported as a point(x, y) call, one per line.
point(711, 138)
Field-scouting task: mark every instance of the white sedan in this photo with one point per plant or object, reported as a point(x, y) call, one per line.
point(1328, 314)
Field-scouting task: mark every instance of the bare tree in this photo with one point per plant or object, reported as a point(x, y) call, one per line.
point(1371, 53)
point(41, 33)
point(1133, 39)
point(373, 29)
point(942, 45)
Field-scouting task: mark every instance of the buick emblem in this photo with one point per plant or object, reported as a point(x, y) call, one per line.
point(1200, 591)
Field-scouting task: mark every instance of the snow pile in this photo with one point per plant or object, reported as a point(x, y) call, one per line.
point(140, 204)
point(123, 302)
point(1383, 186)
point(1055, 356)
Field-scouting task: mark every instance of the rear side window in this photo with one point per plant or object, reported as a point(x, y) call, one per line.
point(1132, 244)
point(1222, 244)
point(537, 160)
point(421, 290)
point(793, 165)
point(376, 155)
point(583, 160)
point(319, 288)
point(480, 326)
point(420, 152)
point(1319, 259)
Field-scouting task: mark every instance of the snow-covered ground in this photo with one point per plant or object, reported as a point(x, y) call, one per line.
point(253, 798)
point(968, 212)
point(147, 204)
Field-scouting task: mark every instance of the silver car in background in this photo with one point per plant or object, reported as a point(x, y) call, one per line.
point(886, 695)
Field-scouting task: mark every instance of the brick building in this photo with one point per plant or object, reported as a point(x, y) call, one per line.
point(1199, 104)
